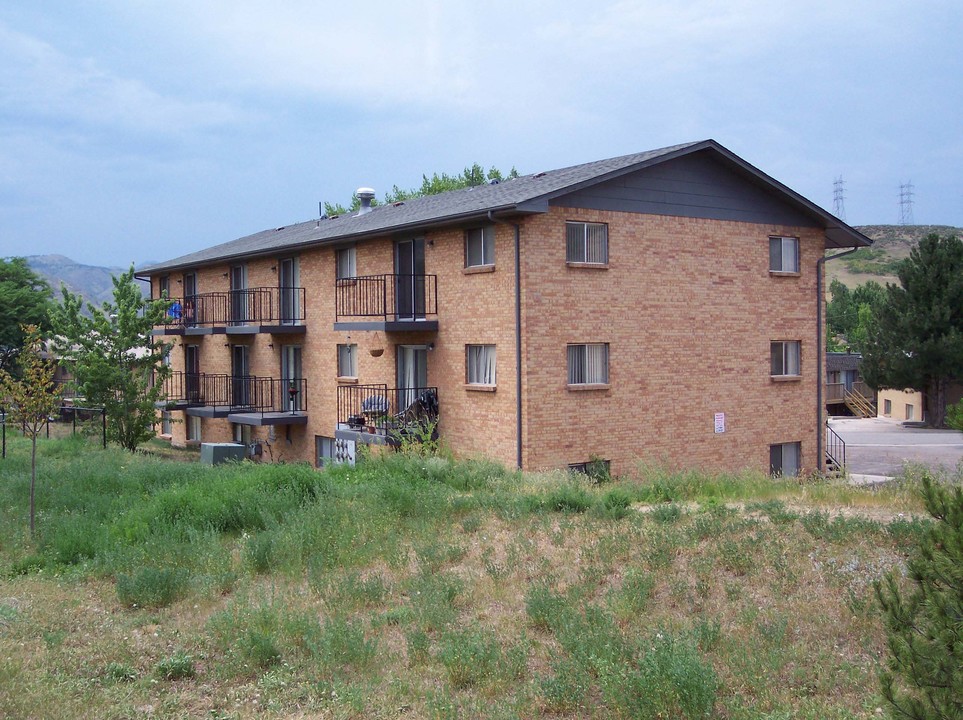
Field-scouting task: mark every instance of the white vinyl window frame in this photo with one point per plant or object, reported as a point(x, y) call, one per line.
point(785, 459)
point(480, 365)
point(346, 263)
point(785, 358)
point(348, 360)
point(586, 243)
point(480, 247)
point(588, 364)
point(784, 254)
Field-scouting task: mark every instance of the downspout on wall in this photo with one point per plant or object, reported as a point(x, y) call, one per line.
point(821, 370)
point(518, 336)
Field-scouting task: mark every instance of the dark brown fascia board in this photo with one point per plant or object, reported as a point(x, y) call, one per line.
point(526, 208)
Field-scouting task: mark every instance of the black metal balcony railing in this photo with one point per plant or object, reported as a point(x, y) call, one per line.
point(231, 393)
point(257, 306)
point(387, 297)
point(392, 412)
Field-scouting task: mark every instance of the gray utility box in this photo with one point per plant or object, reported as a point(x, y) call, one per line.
point(217, 453)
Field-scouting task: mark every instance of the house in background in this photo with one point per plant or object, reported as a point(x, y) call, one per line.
point(661, 307)
point(846, 393)
point(910, 405)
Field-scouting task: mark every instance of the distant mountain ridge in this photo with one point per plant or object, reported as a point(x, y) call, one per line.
point(91, 282)
point(891, 244)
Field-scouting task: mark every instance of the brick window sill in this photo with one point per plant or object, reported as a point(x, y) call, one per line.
point(587, 265)
point(478, 269)
point(785, 378)
point(784, 273)
point(480, 388)
point(588, 387)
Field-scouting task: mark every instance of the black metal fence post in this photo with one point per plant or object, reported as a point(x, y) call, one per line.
point(103, 424)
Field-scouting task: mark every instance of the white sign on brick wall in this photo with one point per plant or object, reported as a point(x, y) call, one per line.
point(720, 422)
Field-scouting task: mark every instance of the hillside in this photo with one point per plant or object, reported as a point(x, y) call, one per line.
point(90, 281)
point(891, 243)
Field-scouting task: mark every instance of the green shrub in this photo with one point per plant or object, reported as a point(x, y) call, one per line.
point(342, 643)
point(667, 679)
point(569, 498)
point(470, 657)
point(152, 587)
point(260, 648)
point(120, 672)
point(259, 552)
point(666, 513)
point(566, 690)
point(544, 607)
point(617, 503)
point(178, 666)
point(28, 565)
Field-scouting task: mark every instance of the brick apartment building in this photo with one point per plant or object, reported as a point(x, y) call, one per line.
point(661, 307)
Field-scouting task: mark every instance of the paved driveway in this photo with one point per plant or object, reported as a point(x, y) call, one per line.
point(878, 446)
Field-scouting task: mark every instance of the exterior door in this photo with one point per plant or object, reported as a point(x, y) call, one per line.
point(191, 310)
point(240, 379)
point(239, 295)
point(291, 378)
point(412, 374)
point(192, 374)
point(288, 282)
point(410, 279)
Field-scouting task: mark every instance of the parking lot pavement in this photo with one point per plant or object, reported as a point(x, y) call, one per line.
point(879, 446)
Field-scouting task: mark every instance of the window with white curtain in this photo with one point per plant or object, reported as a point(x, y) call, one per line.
point(784, 358)
point(784, 459)
point(346, 263)
point(784, 254)
point(347, 361)
point(480, 364)
point(586, 242)
point(480, 246)
point(588, 364)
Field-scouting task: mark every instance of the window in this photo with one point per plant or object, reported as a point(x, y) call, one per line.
point(784, 254)
point(784, 358)
point(480, 246)
point(345, 263)
point(480, 364)
point(910, 412)
point(784, 459)
point(588, 364)
point(887, 407)
point(167, 422)
point(325, 448)
point(242, 434)
point(586, 243)
point(347, 361)
point(193, 428)
point(597, 469)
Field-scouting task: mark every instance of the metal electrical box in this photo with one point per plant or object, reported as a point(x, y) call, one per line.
point(217, 453)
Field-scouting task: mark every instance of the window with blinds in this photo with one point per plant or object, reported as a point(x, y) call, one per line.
point(347, 361)
point(784, 358)
point(784, 254)
point(784, 459)
point(587, 243)
point(480, 247)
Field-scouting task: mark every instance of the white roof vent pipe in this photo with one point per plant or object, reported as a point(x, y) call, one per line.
point(365, 195)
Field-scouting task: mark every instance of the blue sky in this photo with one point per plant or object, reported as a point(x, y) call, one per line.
point(139, 130)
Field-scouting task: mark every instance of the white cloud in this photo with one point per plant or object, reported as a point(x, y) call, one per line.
point(41, 84)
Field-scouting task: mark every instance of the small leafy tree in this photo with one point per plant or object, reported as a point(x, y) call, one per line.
point(916, 340)
point(115, 359)
point(954, 416)
point(924, 676)
point(31, 398)
point(436, 184)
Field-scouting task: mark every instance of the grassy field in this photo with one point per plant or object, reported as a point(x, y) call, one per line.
point(415, 587)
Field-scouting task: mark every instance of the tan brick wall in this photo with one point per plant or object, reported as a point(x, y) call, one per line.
point(689, 308)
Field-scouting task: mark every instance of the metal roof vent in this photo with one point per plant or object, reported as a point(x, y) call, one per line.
point(365, 195)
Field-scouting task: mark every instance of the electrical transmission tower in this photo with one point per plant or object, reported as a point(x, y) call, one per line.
point(906, 203)
point(839, 198)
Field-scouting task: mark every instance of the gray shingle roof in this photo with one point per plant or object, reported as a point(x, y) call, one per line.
point(508, 196)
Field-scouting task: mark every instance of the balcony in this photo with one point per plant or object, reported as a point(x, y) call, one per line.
point(390, 303)
point(237, 312)
point(247, 400)
point(388, 416)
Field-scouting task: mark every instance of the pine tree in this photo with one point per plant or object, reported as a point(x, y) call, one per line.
point(924, 676)
point(917, 339)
